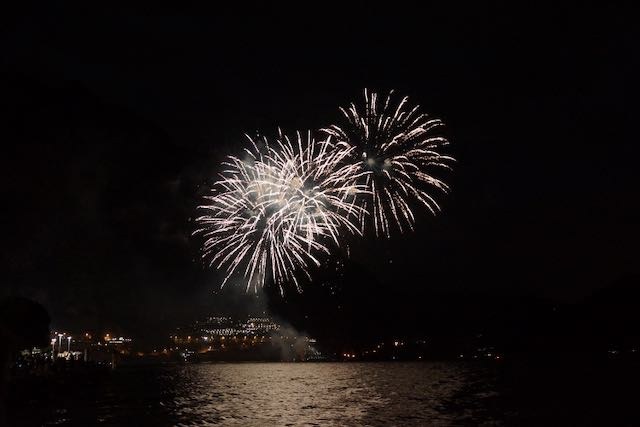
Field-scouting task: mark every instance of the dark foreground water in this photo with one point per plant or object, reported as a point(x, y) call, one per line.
point(339, 394)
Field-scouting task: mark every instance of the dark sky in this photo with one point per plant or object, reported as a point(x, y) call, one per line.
point(116, 120)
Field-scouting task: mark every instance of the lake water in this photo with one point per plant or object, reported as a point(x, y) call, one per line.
point(327, 394)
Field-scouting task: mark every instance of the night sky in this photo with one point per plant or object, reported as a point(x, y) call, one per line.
point(115, 121)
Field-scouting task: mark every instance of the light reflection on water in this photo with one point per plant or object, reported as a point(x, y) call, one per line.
point(320, 394)
point(262, 394)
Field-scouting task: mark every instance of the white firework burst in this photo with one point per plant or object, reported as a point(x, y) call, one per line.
point(398, 150)
point(272, 213)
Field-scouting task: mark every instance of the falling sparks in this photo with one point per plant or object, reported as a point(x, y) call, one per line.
point(398, 149)
point(275, 211)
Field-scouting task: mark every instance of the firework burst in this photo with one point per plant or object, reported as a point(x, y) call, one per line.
point(275, 211)
point(398, 150)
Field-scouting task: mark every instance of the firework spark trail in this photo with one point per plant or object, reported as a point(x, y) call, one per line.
point(273, 213)
point(397, 148)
